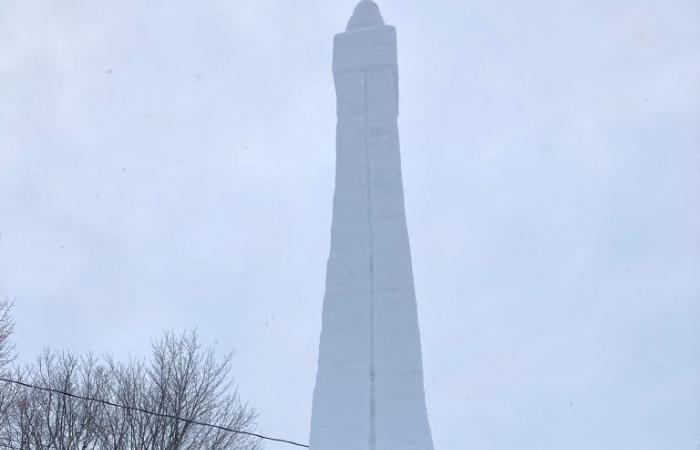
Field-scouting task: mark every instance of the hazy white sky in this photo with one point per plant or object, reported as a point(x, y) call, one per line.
point(169, 164)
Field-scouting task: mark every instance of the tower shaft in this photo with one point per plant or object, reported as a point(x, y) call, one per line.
point(369, 390)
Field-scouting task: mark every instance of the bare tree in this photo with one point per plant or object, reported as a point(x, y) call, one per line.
point(43, 420)
point(7, 328)
point(186, 381)
point(8, 392)
point(181, 380)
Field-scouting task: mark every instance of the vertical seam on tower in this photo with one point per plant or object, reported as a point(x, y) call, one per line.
point(372, 406)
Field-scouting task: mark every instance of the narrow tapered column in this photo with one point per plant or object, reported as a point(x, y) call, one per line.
point(369, 389)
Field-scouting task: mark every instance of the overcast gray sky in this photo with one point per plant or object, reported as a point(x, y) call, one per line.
point(169, 164)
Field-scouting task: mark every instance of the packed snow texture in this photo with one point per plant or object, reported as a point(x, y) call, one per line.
point(369, 389)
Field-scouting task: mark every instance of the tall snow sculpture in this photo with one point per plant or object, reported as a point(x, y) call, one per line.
point(369, 388)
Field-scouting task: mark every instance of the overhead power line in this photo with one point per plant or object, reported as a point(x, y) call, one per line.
point(152, 413)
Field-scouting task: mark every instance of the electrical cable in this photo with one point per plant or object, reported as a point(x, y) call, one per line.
point(145, 411)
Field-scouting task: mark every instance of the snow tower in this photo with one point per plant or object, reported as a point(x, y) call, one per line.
point(369, 388)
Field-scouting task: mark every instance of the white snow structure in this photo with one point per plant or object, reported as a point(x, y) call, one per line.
point(369, 389)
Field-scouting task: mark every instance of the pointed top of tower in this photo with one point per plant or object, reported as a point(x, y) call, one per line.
point(366, 15)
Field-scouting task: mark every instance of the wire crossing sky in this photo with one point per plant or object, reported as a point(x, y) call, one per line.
point(145, 411)
point(170, 164)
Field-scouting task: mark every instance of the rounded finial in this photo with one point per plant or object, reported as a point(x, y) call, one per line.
point(366, 15)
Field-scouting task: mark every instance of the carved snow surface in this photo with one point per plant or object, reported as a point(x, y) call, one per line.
point(369, 389)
